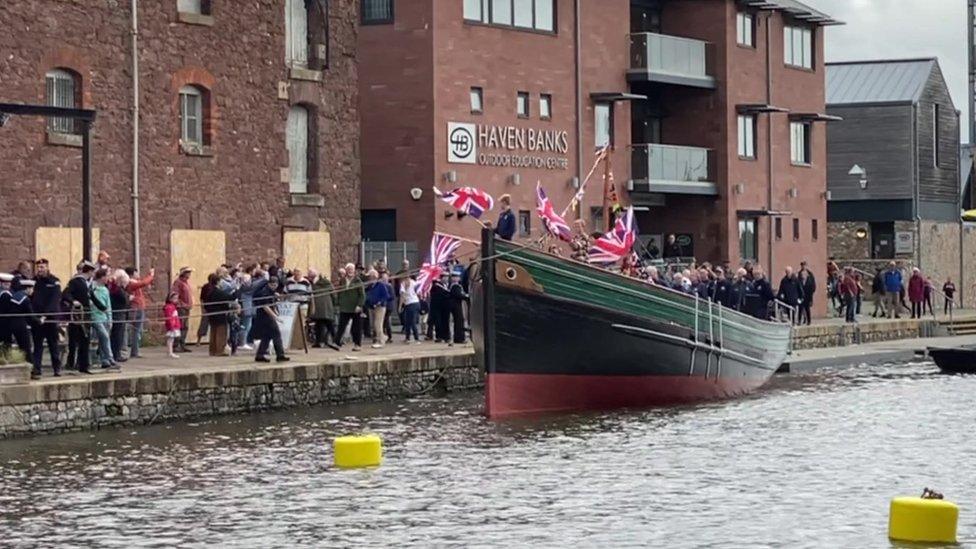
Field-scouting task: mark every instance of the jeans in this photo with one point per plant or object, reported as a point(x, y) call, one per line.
point(849, 305)
point(245, 333)
point(411, 317)
point(138, 318)
point(101, 329)
point(117, 336)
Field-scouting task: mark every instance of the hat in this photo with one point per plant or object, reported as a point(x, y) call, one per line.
point(27, 283)
point(42, 261)
point(185, 270)
point(443, 273)
point(86, 266)
point(458, 271)
point(5, 277)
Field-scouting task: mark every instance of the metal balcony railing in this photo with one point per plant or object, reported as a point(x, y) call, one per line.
point(670, 59)
point(672, 168)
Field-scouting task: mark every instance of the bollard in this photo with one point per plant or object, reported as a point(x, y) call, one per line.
point(923, 520)
point(357, 451)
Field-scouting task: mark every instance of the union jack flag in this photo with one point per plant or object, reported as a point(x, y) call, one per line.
point(469, 200)
point(442, 248)
point(616, 244)
point(555, 224)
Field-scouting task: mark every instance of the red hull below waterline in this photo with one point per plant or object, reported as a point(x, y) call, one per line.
point(524, 394)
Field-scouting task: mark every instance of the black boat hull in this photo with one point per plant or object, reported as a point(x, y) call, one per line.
point(955, 361)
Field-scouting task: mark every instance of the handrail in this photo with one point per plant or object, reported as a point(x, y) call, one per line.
point(665, 146)
point(670, 37)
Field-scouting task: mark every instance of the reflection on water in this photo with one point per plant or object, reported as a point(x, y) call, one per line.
point(810, 462)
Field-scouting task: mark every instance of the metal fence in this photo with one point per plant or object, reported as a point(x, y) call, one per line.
point(392, 252)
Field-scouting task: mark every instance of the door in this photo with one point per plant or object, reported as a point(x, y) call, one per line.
point(883, 240)
point(645, 16)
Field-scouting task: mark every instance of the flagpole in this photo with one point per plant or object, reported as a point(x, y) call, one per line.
point(578, 197)
point(606, 189)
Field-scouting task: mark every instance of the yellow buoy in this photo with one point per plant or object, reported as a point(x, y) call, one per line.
point(923, 520)
point(358, 451)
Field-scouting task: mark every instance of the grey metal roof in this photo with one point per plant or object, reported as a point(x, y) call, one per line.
point(799, 10)
point(895, 81)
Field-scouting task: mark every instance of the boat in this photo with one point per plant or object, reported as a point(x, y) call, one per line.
point(956, 360)
point(558, 335)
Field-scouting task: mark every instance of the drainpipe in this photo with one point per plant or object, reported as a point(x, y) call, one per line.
point(769, 139)
point(917, 174)
point(962, 225)
point(137, 255)
point(577, 47)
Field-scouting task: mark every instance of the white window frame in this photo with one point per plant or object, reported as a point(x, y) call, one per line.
point(801, 134)
point(522, 100)
point(750, 224)
point(493, 12)
point(296, 34)
point(61, 91)
point(798, 46)
point(545, 106)
point(191, 115)
point(747, 135)
point(297, 143)
point(190, 6)
point(745, 25)
point(602, 124)
point(477, 99)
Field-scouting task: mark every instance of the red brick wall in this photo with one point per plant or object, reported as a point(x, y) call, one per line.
point(240, 59)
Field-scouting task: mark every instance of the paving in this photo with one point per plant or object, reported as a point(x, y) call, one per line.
point(811, 360)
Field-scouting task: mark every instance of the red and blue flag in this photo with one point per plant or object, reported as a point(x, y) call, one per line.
point(553, 222)
point(468, 200)
point(442, 248)
point(616, 244)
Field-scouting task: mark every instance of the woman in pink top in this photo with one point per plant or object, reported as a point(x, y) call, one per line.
point(137, 302)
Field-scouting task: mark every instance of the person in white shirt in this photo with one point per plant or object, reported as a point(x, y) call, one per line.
point(410, 307)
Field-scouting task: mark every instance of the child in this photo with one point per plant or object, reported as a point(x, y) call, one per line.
point(172, 324)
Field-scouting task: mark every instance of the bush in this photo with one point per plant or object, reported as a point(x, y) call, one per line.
point(11, 356)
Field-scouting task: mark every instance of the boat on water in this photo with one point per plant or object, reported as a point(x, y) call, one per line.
point(558, 335)
point(956, 360)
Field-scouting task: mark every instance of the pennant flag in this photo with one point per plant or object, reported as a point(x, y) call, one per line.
point(616, 244)
point(442, 248)
point(468, 200)
point(553, 222)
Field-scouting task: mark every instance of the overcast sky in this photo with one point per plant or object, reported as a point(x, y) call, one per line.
point(887, 29)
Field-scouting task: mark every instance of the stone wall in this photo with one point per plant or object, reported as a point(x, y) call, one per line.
point(940, 252)
point(842, 335)
point(92, 404)
point(843, 243)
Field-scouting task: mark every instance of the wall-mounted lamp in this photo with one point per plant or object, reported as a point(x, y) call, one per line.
point(450, 177)
point(515, 179)
point(861, 233)
point(448, 214)
point(862, 174)
point(826, 195)
point(739, 188)
point(416, 193)
point(574, 183)
point(794, 192)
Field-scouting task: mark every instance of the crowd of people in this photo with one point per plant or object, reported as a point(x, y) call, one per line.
point(888, 292)
point(239, 308)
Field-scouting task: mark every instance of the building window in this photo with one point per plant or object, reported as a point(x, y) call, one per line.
point(523, 14)
point(296, 33)
point(377, 12)
point(800, 142)
point(63, 90)
point(814, 230)
point(191, 116)
point(748, 238)
point(936, 129)
point(199, 7)
point(524, 223)
point(798, 46)
point(747, 136)
point(778, 222)
point(522, 104)
point(477, 100)
point(796, 229)
point(745, 29)
point(378, 225)
point(601, 112)
point(545, 106)
point(296, 134)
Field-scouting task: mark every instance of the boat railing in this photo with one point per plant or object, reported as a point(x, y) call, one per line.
point(792, 311)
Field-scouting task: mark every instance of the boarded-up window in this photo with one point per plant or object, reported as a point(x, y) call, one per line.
point(61, 92)
point(297, 135)
point(189, 6)
point(296, 33)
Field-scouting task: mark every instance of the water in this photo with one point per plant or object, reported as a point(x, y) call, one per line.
point(810, 462)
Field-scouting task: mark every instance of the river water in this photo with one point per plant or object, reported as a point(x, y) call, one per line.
point(811, 461)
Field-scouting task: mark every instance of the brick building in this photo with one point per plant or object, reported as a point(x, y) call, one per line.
point(715, 109)
point(247, 136)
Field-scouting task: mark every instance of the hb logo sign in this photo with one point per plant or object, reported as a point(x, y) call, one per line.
point(461, 145)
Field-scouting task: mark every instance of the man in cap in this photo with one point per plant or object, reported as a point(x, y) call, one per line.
point(184, 302)
point(506, 219)
point(46, 302)
point(458, 297)
point(15, 308)
point(5, 280)
point(78, 296)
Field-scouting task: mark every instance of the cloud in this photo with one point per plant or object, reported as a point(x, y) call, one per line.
point(891, 29)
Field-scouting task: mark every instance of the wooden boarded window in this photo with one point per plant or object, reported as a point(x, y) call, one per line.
point(296, 33)
point(297, 136)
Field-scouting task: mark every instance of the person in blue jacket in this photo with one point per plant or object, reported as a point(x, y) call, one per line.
point(378, 295)
point(893, 288)
point(506, 220)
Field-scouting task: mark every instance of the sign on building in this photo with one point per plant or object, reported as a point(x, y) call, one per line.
point(462, 148)
point(904, 242)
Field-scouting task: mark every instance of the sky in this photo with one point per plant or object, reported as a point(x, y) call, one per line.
point(890, 29)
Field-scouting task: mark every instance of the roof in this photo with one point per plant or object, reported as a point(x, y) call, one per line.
point(884, 81)
point(798, 10)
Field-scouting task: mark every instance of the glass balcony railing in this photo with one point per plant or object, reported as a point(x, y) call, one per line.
point(674, 56)
point(670, 168)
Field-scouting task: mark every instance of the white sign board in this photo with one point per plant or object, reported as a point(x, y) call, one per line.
point(286, 320)
point(904, 242)
point(462, 144)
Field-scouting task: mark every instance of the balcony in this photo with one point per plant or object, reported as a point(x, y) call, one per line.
point(670, 60)
point(670, 169)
